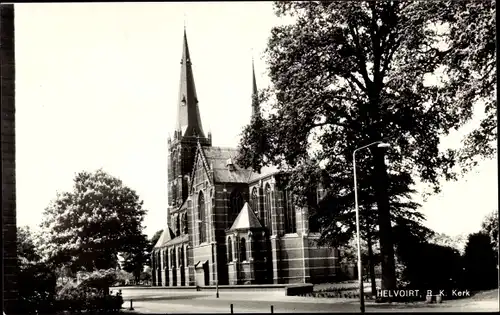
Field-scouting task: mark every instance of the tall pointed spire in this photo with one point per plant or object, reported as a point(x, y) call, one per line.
point(188, 113)
point(255, 102)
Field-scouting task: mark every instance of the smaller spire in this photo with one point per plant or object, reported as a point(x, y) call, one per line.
point(255, 92)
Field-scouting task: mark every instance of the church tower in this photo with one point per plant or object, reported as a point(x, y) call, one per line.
point(188, 132)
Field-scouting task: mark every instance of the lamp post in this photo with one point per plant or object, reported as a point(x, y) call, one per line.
point(380, 144)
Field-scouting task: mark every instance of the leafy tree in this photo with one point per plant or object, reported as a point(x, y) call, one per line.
point(337, 217)
point(36, 280)
point(154, 240)
point(26, 245)
point(470, 66)
point(480, 263)
point(346, 74)
point(457, 242)
point(86, 229)
point(137, 256)
point(490, 227)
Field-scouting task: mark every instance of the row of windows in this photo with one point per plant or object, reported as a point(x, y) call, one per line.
point(177, 258)
point(236, 202)
point(265, 214)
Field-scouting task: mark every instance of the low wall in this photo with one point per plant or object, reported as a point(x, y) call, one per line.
point(299, 289)
point(287, 290)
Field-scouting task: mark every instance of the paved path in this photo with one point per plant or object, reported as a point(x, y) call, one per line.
point(203, 302)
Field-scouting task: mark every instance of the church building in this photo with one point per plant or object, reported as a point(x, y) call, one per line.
point(226, 224)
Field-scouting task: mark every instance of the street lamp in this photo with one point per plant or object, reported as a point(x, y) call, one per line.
point(379, 144)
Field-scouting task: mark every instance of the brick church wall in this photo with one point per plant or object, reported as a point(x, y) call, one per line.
point(7, 73)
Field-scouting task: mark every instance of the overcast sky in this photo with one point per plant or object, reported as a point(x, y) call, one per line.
point(97, 86)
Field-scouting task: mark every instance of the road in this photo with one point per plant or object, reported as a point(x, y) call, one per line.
point(200, 302)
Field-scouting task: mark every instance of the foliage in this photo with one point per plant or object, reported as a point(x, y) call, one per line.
point(86, 229)
point(137, 256)
point(26, 246)
point(146, 276)
point(480, 263)
point(490, 227)
point(36, 287)
point(123, 278)
point(346, 74)
point(457, 242)
point(427, 266)
point(470, 66)
point(36, 280)
point(154, 240)
point(100, 280)
point(75, 298)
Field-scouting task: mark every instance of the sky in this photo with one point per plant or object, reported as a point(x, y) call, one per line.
point(97, 86)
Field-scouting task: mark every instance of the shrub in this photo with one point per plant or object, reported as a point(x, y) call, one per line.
point(90, 294)
point(37, 288)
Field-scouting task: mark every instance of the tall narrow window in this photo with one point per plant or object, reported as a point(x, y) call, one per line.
point(243, 249)
point(179, 256)
point(173, 258)
point(184, 223)
point(289, 211)
point(267, 207)
point(165, 259)
point(229, 250)
point(236, 203)
point(202, 226)
point(177, 225)
point(254, 202)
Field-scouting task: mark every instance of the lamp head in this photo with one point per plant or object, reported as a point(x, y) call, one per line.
point(383, 145)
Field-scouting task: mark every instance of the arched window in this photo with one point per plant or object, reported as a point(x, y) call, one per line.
point(243, 249)
point(236, 203)
point(179, 250)
point(202, 227)
point(177, 225)
point(184, 223)
point(254, 202)
point(165, 259)
point(289, 211)
point(267, 207)
point(173, 258)
point(229, 250)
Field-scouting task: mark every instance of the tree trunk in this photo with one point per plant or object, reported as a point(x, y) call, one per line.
point(384, 221)
point(372, 264)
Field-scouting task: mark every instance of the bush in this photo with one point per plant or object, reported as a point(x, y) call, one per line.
point(91, 294)
point(37, 288)
point(77, 298)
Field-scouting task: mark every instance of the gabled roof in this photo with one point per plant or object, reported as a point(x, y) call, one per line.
point(246, 219)
point(217, 158)
point(165, 237)
point(264, 172)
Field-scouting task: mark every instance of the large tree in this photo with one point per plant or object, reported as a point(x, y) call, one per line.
point(87, 228)
point(346, 74)
point(480, 263)
point(470, 67)
point(490, 228)
point(136, 256)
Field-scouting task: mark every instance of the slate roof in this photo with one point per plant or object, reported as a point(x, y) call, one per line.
point(217, 158)
point(165, 237)
point(246, 219)
point(265, 171)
